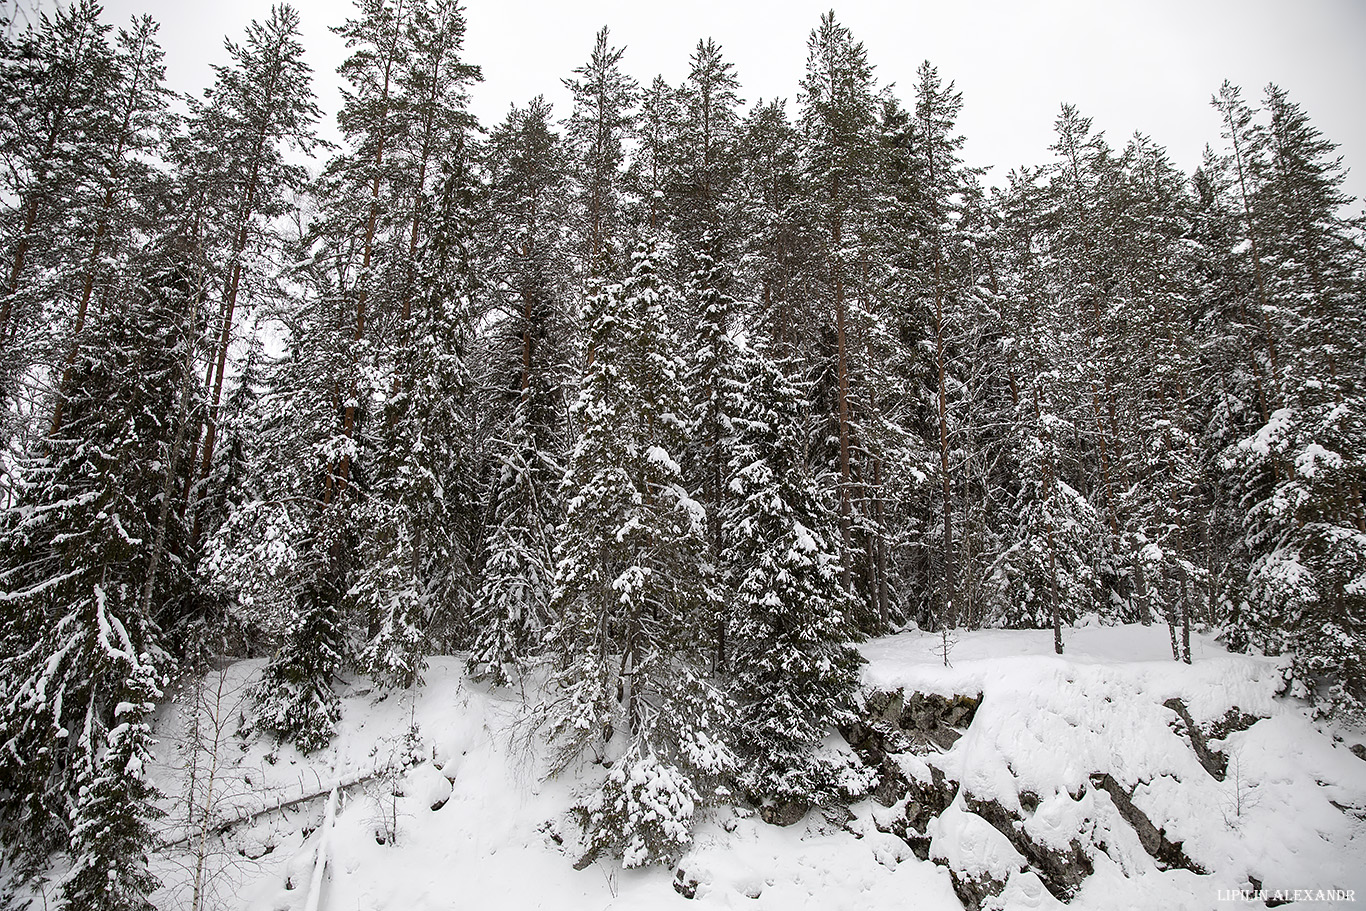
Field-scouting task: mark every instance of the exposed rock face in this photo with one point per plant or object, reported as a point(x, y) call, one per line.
point(903, 738)
point(974, 891)
point(1061, 871)
point(1166, 853)
point(919, 801)
point(1214, 761)
point(685, 884)
point(783, 814)
point(893, 724)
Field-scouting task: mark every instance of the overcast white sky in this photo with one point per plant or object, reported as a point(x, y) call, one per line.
point(1147, 65)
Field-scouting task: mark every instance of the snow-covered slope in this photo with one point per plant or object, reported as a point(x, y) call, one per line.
point(1287, 812)
point(475, 823)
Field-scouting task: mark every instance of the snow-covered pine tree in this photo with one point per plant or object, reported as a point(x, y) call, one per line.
point(56, 112)
point(653, 172)
point(794, 673)
point(359, 237)
point(931, 293)
point(936, 110)
point(708, 165)
point(415, 499)
point(530, 271)
point(839, 170)
point(54, 120)
point(596, 133)
point(1082, 204)
point(630, 595)
point(235, 168)
point(114, 215)
point(775, 234)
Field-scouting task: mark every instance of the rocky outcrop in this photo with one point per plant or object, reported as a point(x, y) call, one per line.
point(1061, 870)
point(901, 737)
point(783, 814)
point(1165, 853)
point(920, 801)
point(894, 724)
point(1214, 761)
point(974, 891)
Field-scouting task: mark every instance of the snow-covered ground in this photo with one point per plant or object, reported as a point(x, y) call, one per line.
point(1289, 811)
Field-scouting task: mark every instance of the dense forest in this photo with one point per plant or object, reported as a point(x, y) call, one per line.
point(662, 400)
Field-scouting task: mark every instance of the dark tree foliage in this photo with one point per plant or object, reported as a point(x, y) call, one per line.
point(84, 658)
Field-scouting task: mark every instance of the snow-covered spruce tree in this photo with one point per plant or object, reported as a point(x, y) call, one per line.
point(418, 548)
point(794, 673)
point(233, 481)
point(1307, 578)
point(416, 512)
point(630, 596)
point(1156, 362)
point(1160, 507)
point(718, 391)
point(294, 697)
point(1048, 575)
point(1299, 475)
point(1082, 202)
point(279, 564)
point(284, 560)
point(511, 607)
point(529, 273)
point(79, 595)
point(111, 835)
point(281, 560)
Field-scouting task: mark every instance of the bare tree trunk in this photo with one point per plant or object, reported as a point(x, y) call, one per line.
point(1252, 243)
point(883, 606)
point(842, 394)
point(173, 457)
point(1185, 621)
